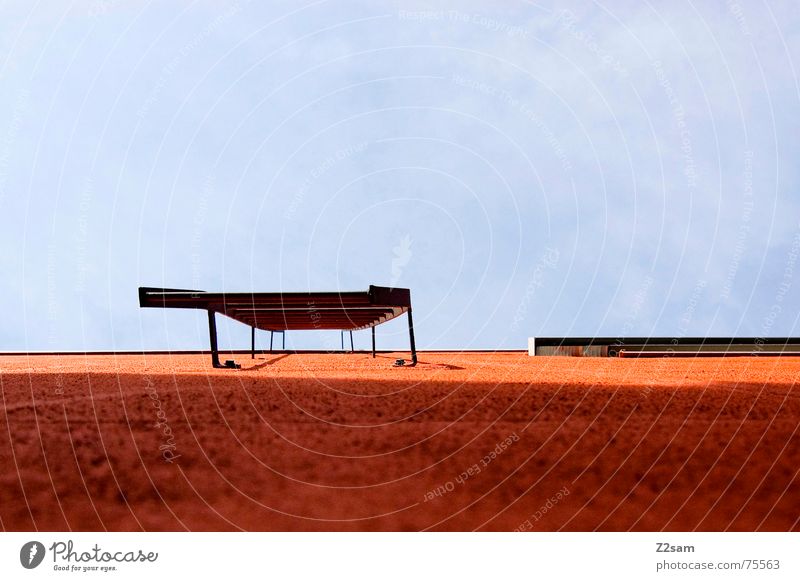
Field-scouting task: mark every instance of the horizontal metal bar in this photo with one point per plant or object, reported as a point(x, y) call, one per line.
point(154, 297)
point(633, 354)
point(627, 341)
point(248, 308)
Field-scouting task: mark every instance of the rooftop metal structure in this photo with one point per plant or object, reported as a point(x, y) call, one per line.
point(280, 312)
point(663, 346)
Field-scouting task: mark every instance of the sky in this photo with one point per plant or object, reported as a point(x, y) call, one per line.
point(526, 169)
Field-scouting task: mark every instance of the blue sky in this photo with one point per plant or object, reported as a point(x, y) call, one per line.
point(531, 169)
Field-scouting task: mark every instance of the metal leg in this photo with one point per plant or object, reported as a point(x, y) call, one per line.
point(342, 336)
point(212, 333)
point(271, 333)
point(252, 342)
point(373, 341)
point(283, 342)
point(411, 338)
point(352, 349)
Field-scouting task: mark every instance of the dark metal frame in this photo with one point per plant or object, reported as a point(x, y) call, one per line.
point(352, 349)
point(666, 346)
point(280, 312)
point(271, 334)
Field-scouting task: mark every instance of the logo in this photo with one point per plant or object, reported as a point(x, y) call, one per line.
point(31, 554)
point(401, 258)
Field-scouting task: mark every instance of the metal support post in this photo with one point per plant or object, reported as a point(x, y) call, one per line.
point(212, 333)
point(411, 338)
